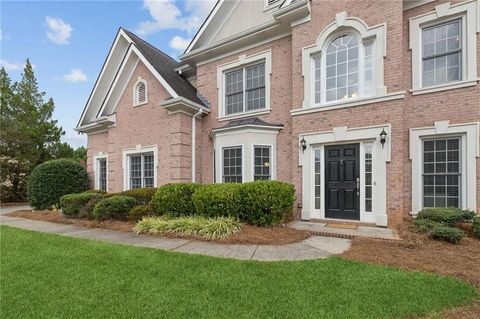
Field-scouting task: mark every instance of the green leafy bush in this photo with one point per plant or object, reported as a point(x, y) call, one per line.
point(96, 191)
point(476, 227)
point(446, 216)
point(115, 207)
point(51, 180)
point(175, 199)
point(266, 202)
point(142, 195)
point(209, 228)
point(87, 210)
point(423, 225)
point(446, 233)
point(217, 200)
point(139, 212)
point(71, 204)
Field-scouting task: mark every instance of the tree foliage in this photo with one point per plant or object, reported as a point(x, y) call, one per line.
point(29, 134)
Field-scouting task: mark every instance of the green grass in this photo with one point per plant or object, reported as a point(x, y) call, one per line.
point(45, 276)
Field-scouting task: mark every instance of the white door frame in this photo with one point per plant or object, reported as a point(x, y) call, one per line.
point(344, 135)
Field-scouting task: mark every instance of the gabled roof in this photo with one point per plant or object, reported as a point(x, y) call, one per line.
point(165, 65)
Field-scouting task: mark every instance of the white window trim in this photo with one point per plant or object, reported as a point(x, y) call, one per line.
point(243, 61)
point(468, 12)
point(343, 24)
point(242, 146)
point(273, 164)
point(135, 92)
point(470, 151)
point(96, 169)
point(345, 135)
point(139, 149)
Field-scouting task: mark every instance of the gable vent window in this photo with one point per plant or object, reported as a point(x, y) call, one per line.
point(270, 2)
point(140, 93)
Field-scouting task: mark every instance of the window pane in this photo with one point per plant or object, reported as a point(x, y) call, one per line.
point(102, 163)
point(317, 70)
point(148, 170)
point(317, 177)
point(135, 171)
point(262, 163)
point(232, 165)
point(368, 176)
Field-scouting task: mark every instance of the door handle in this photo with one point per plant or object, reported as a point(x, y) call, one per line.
point(358, 186)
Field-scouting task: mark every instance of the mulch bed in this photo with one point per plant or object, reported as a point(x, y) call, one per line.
point(248, 235)
point(418, 252)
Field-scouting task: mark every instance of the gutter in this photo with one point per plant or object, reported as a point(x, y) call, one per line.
point(194, 138)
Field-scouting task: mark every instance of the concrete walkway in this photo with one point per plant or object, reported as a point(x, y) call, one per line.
point(314, 247)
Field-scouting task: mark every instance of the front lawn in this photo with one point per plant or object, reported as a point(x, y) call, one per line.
point(45, 275)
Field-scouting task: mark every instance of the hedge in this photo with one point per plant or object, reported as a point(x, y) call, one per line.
point(71, 204)
point(217, 200)
point(266, 202)
point(139, 212)
point(175, 199)
point(115, 207)
point(87, 210)
point(446, 216)
point(51, 180)
point(142, 195)
point(446, 233)
point(423, 225)
point(476, 227)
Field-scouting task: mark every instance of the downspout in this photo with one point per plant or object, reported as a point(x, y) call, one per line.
point(194, 117)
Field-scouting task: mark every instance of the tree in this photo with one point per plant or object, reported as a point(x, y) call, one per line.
point(28, 132)
point(80, 154)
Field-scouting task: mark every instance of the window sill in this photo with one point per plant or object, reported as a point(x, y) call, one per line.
point(444, 87)
point(243, 115)
point(140, 104)
point(350, 103)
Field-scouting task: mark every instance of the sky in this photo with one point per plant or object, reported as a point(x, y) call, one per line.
point(68, 42)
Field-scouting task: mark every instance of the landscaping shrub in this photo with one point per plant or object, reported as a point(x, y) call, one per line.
point(476, 227)
point(175, 199)
point(140, 211)
point(217, 200)
point(71, 204)
point(142, 195)
point(209, 228)
point(51, 180)
point(115, 207)
point(87, 210)
point(266, 202)
point(423, 225)
point(446, 216)
point(446, 233)
point(95, 191)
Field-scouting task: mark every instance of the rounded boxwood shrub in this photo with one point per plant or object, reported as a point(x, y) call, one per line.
point(446, 233)
point(446, 216)
point(138, 212)
point(71, 204)
point(87, 210)
point(217, 200)
point(51, 180)
point(142, 195)
point(266, 202)
point(115, 207)
point(175, 199)
point(476, 227)
point(95, 191)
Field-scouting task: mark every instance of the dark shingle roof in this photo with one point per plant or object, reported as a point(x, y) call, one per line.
point(165, 66)
point(250, 121)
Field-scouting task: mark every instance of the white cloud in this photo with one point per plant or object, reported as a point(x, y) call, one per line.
point(10, 66)
point(59, 32)
point(75, 75)
point(4, 35)
point(179, 43)
point(167, 15)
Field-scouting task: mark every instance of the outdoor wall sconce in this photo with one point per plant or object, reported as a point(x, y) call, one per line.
point(303, 144)
point(383, 137)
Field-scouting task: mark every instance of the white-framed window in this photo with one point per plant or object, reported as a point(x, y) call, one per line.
point(140, 93)
point(141, 170)
point(244, 86)
point(368, 160)
point(101, 171)
point(317, 182)
point(232, 164)
point(140, 167)
point(444, 159)
point(442, 177)
point(443, 45)
point(345, 64)
point(262, 162)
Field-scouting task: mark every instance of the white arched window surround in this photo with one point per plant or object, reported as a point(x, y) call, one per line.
point(137, 98)
point(364, 34)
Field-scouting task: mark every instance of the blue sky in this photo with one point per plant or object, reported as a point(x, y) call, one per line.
point(68, 41)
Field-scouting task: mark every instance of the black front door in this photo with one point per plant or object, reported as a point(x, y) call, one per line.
point(342, 172)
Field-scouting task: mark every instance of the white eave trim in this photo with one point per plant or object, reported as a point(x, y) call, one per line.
point(246, 126)
point(101, 123)
point(184, 105)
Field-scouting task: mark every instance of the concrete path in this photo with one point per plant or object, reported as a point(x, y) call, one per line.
point(314, 247)
point(319, 228)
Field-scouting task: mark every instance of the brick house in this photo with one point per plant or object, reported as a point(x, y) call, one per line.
point(370, 108)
